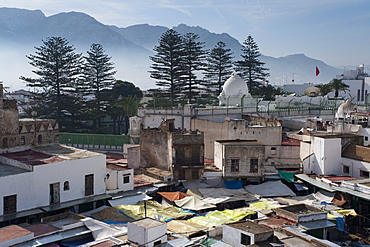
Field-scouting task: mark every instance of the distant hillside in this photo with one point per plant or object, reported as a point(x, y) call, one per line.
point(21, 30)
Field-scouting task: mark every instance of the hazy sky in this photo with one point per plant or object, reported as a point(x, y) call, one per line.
point(334, 31)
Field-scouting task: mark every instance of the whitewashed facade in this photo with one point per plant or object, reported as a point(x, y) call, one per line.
point(68, 174)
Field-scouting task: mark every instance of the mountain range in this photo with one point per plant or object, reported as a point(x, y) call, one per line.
point(21, 30)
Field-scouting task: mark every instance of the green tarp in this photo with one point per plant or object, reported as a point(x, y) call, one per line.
point(288, 176)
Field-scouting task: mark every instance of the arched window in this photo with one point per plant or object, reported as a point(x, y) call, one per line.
point(66, 186)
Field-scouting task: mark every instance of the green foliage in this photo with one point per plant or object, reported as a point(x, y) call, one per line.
point(58, 71)
point(338, 86)
point(268, 92)
point(250, 67)
point(98, 70)
point(167, 67)
point(219, 67)
point(325, 89)
point(193, 61)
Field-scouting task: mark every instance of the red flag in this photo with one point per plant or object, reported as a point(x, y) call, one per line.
point(317, 71)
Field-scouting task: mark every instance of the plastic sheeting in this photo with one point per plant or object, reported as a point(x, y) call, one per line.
point(172, 196)
point(221, 195)
point(184, 227)
point(129, 200)
point(100, 230)
point(233, 184)
point(110, 215)
point(270, 189)
point(153, 210)
point(216, 218)
point(288, 176)
point(193, 203)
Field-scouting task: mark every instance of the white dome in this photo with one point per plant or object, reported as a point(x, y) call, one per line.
point(235, 86)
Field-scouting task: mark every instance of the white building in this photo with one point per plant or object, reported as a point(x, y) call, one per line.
point(119, 179)
point(49, 177)
point(245, 233)
point(147, 232)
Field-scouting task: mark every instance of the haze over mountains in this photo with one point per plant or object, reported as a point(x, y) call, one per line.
point(21, 30)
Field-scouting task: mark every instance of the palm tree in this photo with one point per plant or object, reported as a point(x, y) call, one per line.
point(338, 86)
point(325, 88)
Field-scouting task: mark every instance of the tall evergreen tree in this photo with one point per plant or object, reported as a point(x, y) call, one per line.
point(194, 56)
point(98, 70)
point(99, 75)
point(167, 65)
point(250, 67)
point(58, 69)
point(219, 67)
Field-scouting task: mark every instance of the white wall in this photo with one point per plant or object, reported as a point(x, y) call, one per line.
point(32, 188)
point(366, 133)
point(327, 155)
point(115, 181)
point(147, 237)
point(355, 166)
point(232, 236)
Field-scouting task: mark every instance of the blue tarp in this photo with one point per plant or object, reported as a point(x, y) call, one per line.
point(233, 184)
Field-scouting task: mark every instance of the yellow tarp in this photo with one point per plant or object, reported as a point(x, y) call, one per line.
point(219, 217)
point(347, 212)
point(153, 210)
point(184, 227)
point(261, 205)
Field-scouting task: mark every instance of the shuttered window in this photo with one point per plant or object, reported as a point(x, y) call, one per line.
point(10, 204)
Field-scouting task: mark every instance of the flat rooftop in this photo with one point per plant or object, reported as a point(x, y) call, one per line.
point(251, 227)
point(48, 154)
point(238, 142)
point(148, 223)
point(8, 170)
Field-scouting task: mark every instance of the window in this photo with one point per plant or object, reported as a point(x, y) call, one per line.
point(245, 239)
point(39, 139)
point(157, 243)
point(253, 166)
point(5, 143)
point(10, 204)
point(364, 174)
point(234, 165)
point(195, 174)
point(23, 140)
point(273, 150)
point(366, 138)
point(89, 184)
point(126, 179)
point(346, 169)
point(66, 186)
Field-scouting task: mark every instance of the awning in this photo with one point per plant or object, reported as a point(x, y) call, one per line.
point(314, 182)
point(270, 189)
point(75, 202)
point(129, 200)
point(318, 224)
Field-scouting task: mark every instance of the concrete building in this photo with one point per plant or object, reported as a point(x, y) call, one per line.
point(49, 177)
point(246, 233)
point(178, 151)
point(15, 132)
point(251, 159)
point(119, 178)
point(147, 232)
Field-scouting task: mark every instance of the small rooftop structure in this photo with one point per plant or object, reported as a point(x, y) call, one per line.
point(147, 232)
point(246, 233)
point(301, 213)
